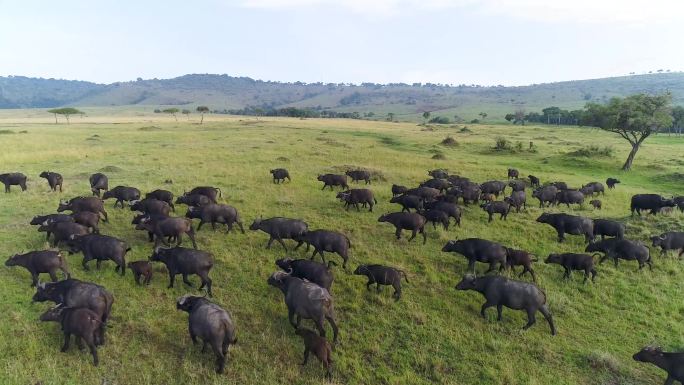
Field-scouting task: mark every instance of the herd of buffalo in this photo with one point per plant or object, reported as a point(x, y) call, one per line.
point(83, 308)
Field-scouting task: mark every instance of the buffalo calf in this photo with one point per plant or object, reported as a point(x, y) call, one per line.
point(573, 261)
point(382, 275)
point(82, 322)
point(320, 348)
point(141, 269)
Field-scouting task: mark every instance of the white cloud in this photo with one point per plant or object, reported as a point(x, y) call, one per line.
point(573, 11)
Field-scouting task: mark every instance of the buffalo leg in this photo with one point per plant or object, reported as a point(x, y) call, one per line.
point(191, 235)
point(98, 264)
point(34, 279)
point(333, 324)
point(185, 280)
point(282, 243)
point(290, 316)
point(531, 318)
point(413, 235)
point(369, 283)
point(422, 231)
point(67, 340)
point(547, 314)
point(319, 326)
point(172, 278)
point(306, 356)
point(398, 233)
point(220, 357)
point(499, 309)
point(200, 225)
point(484, 308)
point(53, 276)
point(270, 241)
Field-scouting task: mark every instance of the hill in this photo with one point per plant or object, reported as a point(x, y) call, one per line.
point(407, 102)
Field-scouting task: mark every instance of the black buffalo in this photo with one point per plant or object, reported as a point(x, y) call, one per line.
point(382, 275)
point(406, 221)
point(574, 261)
point(608, 228)
point(672, 363)
point(478, 250)
point(669, 241)
point(98, 181)
point(330, 241)
point(216, 213)
point(408, 202)
point(13, 179)
point(652, 202)
point(162, 195)
point(100, 248)
point(355, 196)
point(279, 175)
point(122, 194)
point(213, 193)
point(315, 272)
point(279, 228)
point(358, 175)
point(570, 224)
point(80, 204)
point(54, 180)
point(180, 260)
point(36, 262)
point(546, 194)
point(333, 180)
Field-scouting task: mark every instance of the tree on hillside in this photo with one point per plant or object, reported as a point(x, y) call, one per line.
point(483, 115)
point(202, 110)
point(172, 111)
point(519, 116)
point(426, 116)
point(186, 112)
point(66, 112)
point(390, 116)
point(634, 118)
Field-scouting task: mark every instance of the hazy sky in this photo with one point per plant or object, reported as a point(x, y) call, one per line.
point(509, 42)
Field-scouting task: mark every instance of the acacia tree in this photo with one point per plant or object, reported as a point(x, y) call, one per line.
point(634, 118)
point(66, 112)
point(390, 116)
point(186, 112)
point(426, 116)
point(172, 111)
point(483, 115)
point(202, 110)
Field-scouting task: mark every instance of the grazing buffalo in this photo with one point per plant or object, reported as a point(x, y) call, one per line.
point(478, 250)
point(652, 202)
point(100, 248)
point(438, 173)
point(669, 241)
point(596, 204)
point(608, 228)
point(573, 261)
point(569, 197)
point(398, 190)
point(408, 202)
point(672, 363)
point(520, 258)
point(63, 231)
point(82, 322)
point(330, 241)
point(213, 193)
point(36, 262)
point(493, 187)
point(333, 180)
point(54, 180)
point(193, 200)
point(306, 300)
point(212, 324)
point(151, 206)
point(73, 293)
point(13, 179)
point(546, 194)
point(98, 181)
point(570, 224)
point(122, 194)
point(406, 221)
point(500, 291)
point(451, 209)
point(355, 196)
point(80, 204)
point(162, 195)
point(611, 182)
point(320, 348)
point(357, 175)
point(216, 213)
point(279, 175)
point(534, 181)
point(162, 228)
point(315, 272)
point(517, 199)
point(622, 249)
point(279, 228)
point(141, 269)
point(513, 173)
point(180, 260)
point(440, 184)
point(382, 275)
point(496, 207)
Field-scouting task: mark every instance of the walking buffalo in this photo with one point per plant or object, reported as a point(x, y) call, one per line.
point(333, 180)
point(672, 363)
point(440, 184)
point(493, 187)
point(162, 195)
point(478, 250)
point(63, 231)
point(451, 209)
point(171, 227)
point(596, 187)
point(100, 248)
point(382, 275)
point(80, 204)
point(355, 196)
point(216, 213)
point(320, 348)
point(436, 216)
point(279, 228)
point(520, 258)
point(611, 182)
point(209, 191)
point(408, 202)
point(54, 179)
point(652, 202)
point(325, 240)
point(513, 173)
point(98, 181)
point(122, 194)
point(517, 199)
point(569, 197)
point(279, 175)
point(315, 272)
point(496, 207)
point(82, 322)
point(500, 291)
point(406, 221)
point(13, 179)
point(141, 269)
point(357, 175)
point(570, 224)
point(180, 260)
point(438, 173)
point(398, 190)
point(212, 324)
point(608, 228)
point(622, 249)
point(669, 241)
point(574, 261)
point(193, 200)
point(36, 262)
point(534, 181)
point(546, 194)
point(151, 206)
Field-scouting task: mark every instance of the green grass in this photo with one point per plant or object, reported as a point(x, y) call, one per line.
point(433, 335)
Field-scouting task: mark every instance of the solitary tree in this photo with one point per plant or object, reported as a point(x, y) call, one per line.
point(186, 112)
point(634, 118)
point(390, 116)
point(483, 115)
point(66, 112)
point(172, 111)
point(202, 110)
point(426, 116)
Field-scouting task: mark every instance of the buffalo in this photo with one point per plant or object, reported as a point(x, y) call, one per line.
point(406, 221)
point(408, 202)
point(493, 187)
point(13, 179)
point(669, 241)
point(608, 228)
point(570, 224)
point(652, 202)
point(425, 193)
point(436, 216)
point(438, 173)
point(622, 249)
point(496, 207)
point(98, 181)
point(611, 182)
point(520, 258)
point(162, 228)
point(500, 291)
point(54, 180)
point(80, 204)
point(398, 190)
point(574, 261)
point(569, 197)
point(596, 204)
point(451, 209)
point(141, 269)
point(151, 206)
point(534, 181)
point(162, 195)
point(513, 173)
point(355, 196)
point(180, 260)
point(122, 194)
point(36, 262)
point(320, 348)
point(672, 363)
point(100, 248)
point(63, 231)
point(382, 275)
point(279, 175)
point(358, 175)
point(193, 200)
point(517, 199)
point(216, 213)
point(82, 322)
point(279, 228)
point(333, 180)
point(440, 184)
point(209, 191)
point(325, 240)
point(212, 324)
point(546, 194)
point(315, 272)
point(478, 250)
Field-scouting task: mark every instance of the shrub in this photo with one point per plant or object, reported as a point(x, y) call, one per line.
point(439, 120)
point(502, 144)
point(475, 121)
point(449, 142)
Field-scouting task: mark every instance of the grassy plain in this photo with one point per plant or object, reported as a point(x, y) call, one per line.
point(433, 335)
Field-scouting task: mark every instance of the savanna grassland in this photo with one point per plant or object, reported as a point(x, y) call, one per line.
point(434, 334)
